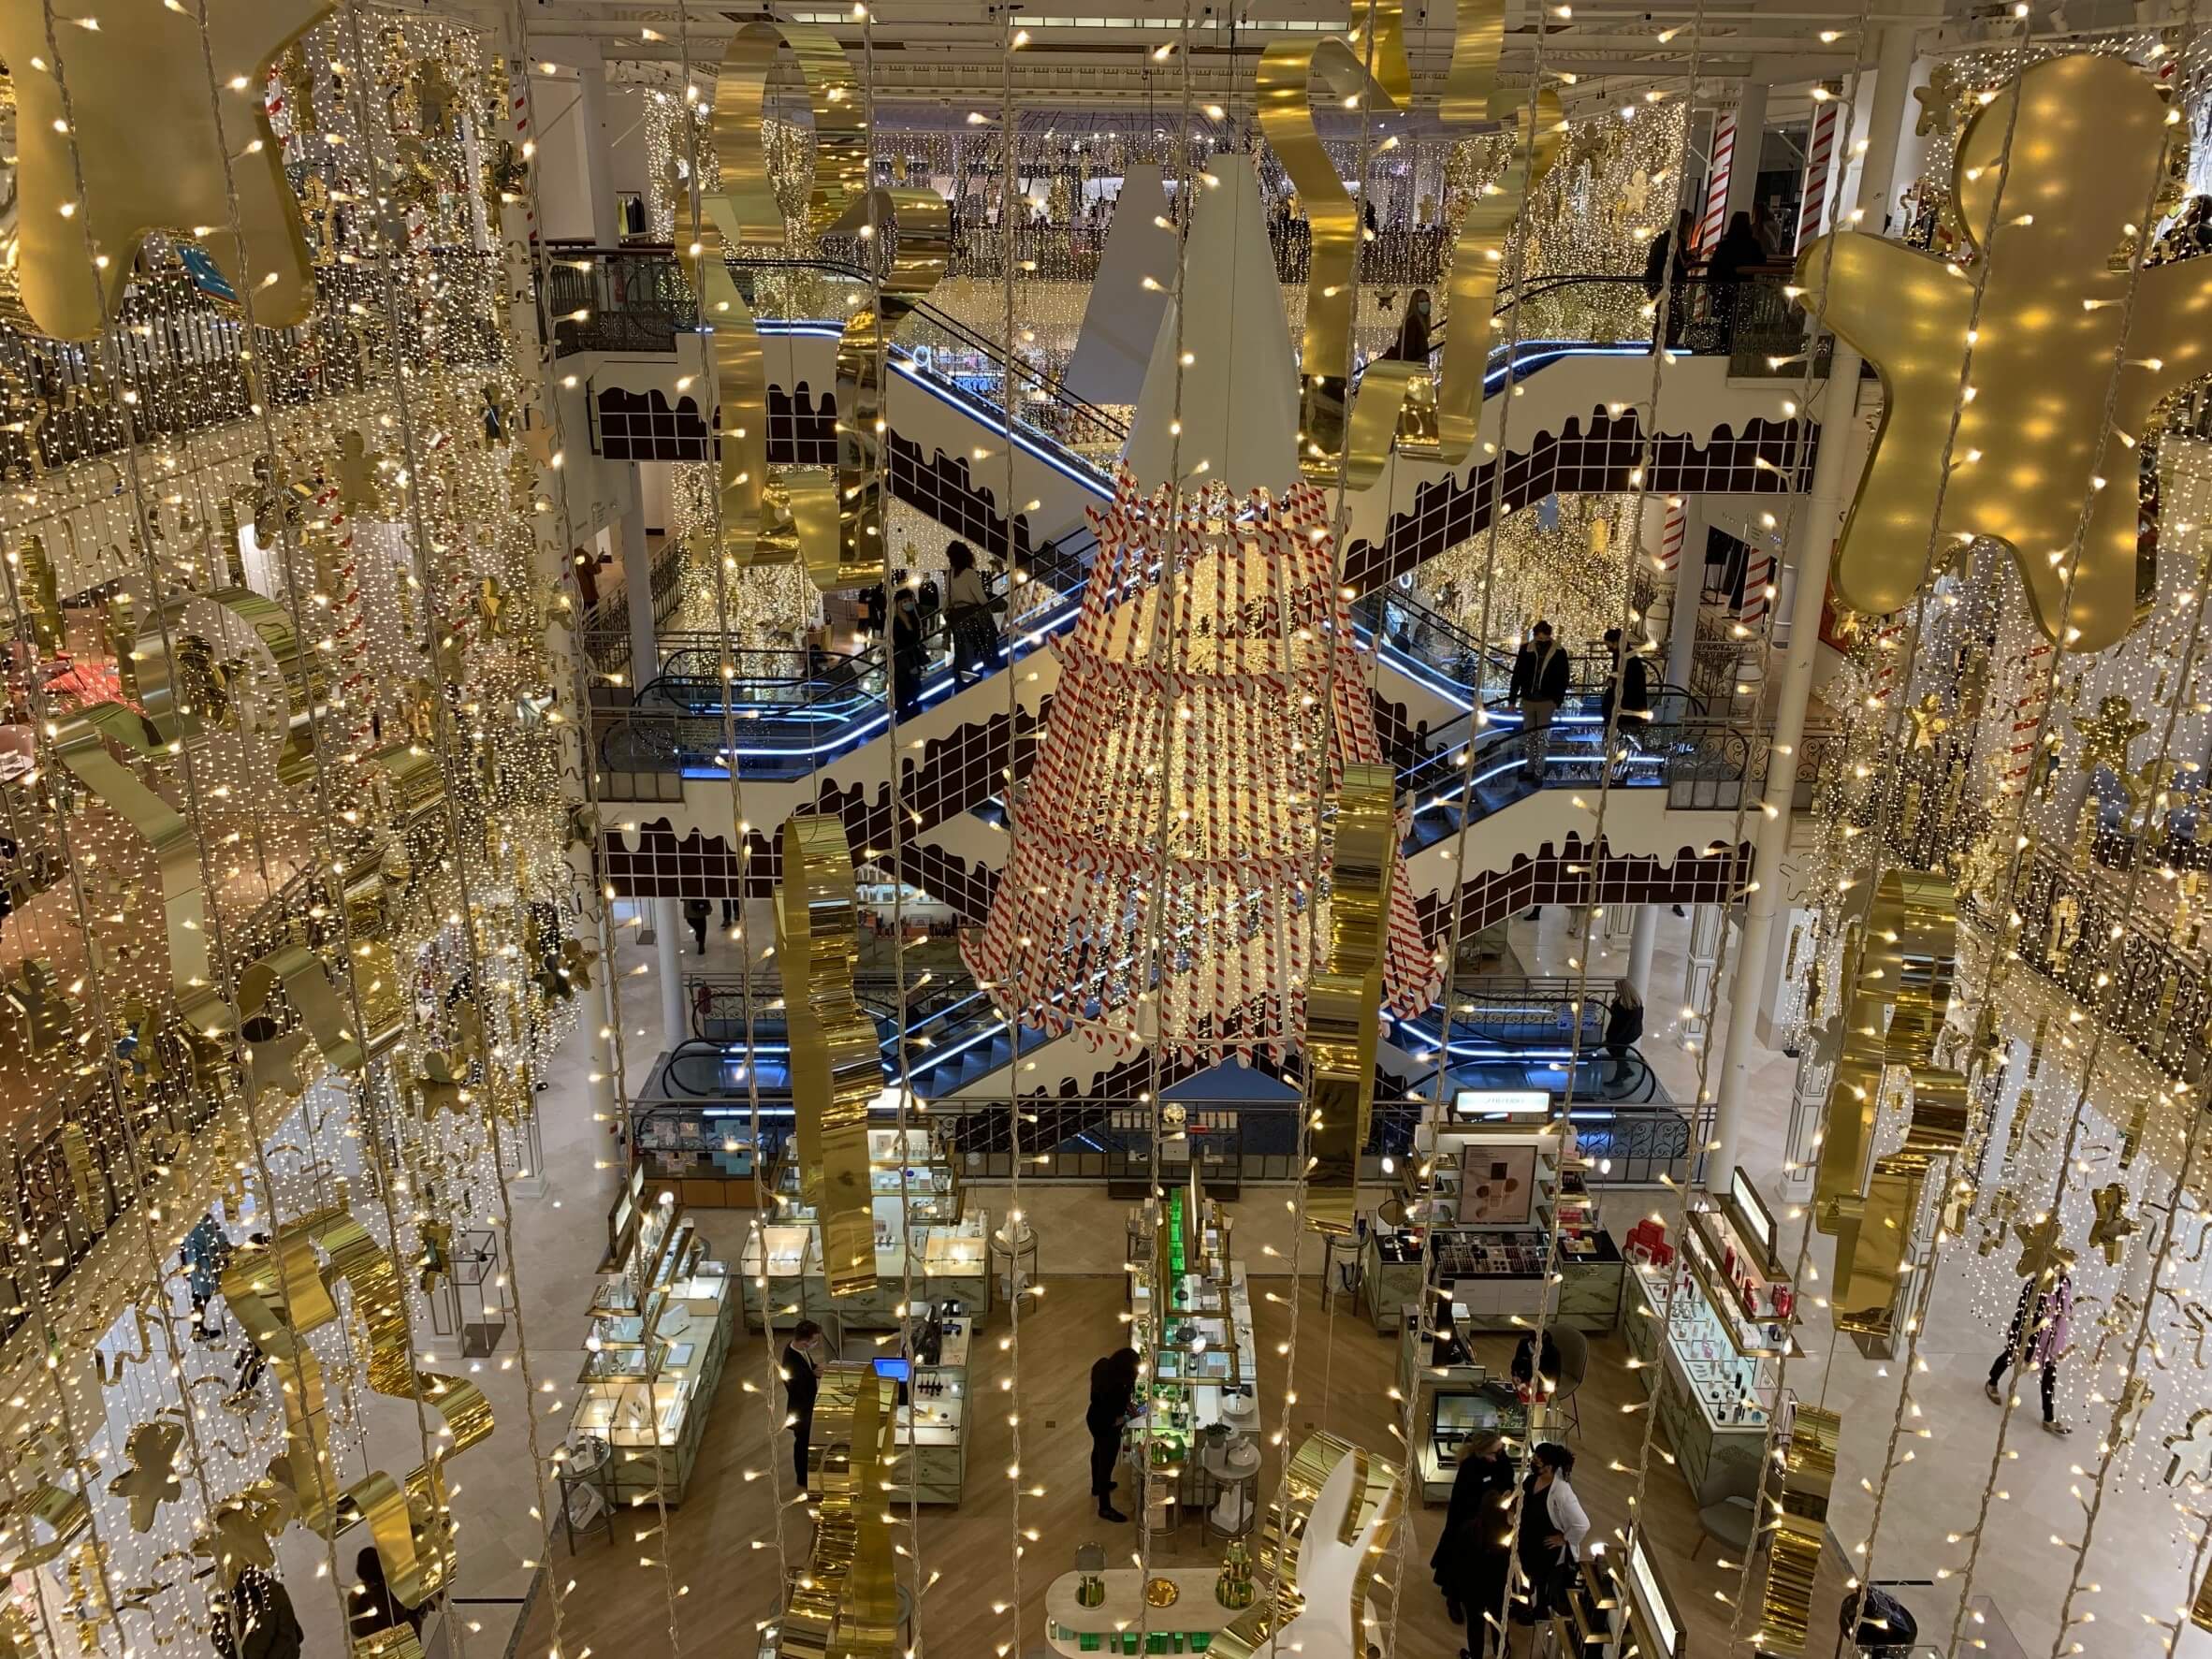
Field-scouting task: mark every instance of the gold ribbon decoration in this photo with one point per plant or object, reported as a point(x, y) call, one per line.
point(843, 1602)
point(837, 1067)
point(1366, 1524)
point(765, 519)
point(325, 1010)
point(281, 1292)
point(920, 227)
point(1800, 1529)
point(197, 629)
point(1344, 1000)
point(156, 152)
point(2039, 434)
point(1398, 403)
point(1900, 990)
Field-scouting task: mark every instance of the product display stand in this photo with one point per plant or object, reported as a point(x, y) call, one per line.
point(932, 1426)
point(660, 1325)
point(1188, 1625)
point(1712, 1364)
point(946, 1245)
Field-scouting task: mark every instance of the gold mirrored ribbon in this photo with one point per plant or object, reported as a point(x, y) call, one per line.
point(81, 744)
point(1344, 1000)
point(407, 1519)
point(1901, 989)
point(157, 153)
point(1398, 403)
point(843, 1602)
point(1800, 1529)
point(837, 1066)
point(1378, 1496)
point(921, 228)
point(788, 518)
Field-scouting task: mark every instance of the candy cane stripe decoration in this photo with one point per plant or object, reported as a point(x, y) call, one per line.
point(1716, 183)
point(1820, 160)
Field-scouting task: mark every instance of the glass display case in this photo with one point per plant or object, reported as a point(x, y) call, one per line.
point(939, 1261)
point(707, 1155)
point(659, 1330)
point(931, 1424)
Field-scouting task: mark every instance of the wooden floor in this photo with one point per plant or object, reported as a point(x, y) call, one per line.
point(722, 1552)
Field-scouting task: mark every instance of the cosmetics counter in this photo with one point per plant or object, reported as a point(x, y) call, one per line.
point(924, 1231)
point(931, 1427)
point(1494, 1198)
point(1454, 1398)
point(661, 1319)
point(1201, 1393)
point(1711, 1352)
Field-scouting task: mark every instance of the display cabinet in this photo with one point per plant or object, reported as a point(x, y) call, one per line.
point(946, 1262)
point(659, 1332)
point(931, 1428)
point(1453, 1401)
point(708, 1156)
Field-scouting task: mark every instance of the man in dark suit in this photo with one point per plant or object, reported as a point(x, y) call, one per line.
point(802, 1381)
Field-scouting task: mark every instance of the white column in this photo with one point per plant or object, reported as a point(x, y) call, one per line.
point(1640, 938)
point(668, 928)
point(1689, 592)
point(637, 585)
point(1836, 407)
point(598, 147)
point(1704, 956)
point(1751, 132)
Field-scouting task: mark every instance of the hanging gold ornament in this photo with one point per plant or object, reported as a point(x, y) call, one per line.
point(2049, 319)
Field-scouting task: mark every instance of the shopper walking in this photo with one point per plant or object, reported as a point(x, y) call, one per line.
point(255, 1619)
point(206, 1253)
point(802, 1381)
point(375, 1604)
point(1666, 266)
point(1625, 1027)
point(698, 912)
point(2043, 1323)
point(968, 612)
point(1552, 1528)
point(1113, 1390)
point(1475, 1549)
point(1538, 687)
point(1412, 344)
point(1628, 685)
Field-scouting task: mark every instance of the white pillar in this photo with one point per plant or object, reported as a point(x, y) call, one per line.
point(1689, 592)
point(638, 587)
point(1640, 938)
point(669, 927)
point(1836, 407)
point(1697, 971)
point(598, 146)
point(1751, 132)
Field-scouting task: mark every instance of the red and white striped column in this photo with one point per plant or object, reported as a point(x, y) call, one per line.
point(1820, 169)
point(2034, 702)
point(1719, 171)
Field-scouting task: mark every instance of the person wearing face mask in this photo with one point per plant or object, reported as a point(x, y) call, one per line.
point(802, 1381)
point(1413, 334)
point(1552, 1527)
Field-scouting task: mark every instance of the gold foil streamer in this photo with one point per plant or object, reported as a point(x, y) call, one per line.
point(1344, 999)
point(919, 226)
point(2033, 438)
point(281, 1292)
point(837, 1066)
point(156, 155)
point(195, 628)
point(1799, 1528)
point(1436, 416)
point(1901, 982)
point(767, 520)
point(321, 1008)
point(843, 1602)
point(1379, 1493)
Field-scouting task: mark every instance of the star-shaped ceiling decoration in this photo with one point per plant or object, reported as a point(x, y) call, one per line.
point(2112, 1227)
point(154, 148)
point(2107, 734)
point(2039, 1249)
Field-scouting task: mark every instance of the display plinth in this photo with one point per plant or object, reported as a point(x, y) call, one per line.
point(1188, 1626)
point(932, 1425)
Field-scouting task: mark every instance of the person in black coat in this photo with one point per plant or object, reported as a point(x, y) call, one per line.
point(1412, 346)
point(1629, 684)
point(1538, 687)
point(1476, 1548)
point(1738, 252)
point(909, 654)
point(375, 1605)
point(802, 1381)
point(1667, 264)
point(1114, 1388)
point(1624, 1028)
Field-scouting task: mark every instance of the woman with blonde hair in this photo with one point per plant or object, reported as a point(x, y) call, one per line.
point(1624, 1026)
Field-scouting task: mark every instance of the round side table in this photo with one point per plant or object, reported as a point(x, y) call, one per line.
point(1230, 1477)
point(1013, 1257)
